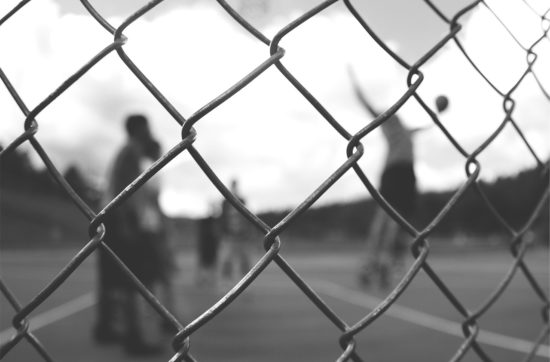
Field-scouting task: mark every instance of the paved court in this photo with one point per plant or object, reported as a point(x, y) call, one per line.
point(274, 321)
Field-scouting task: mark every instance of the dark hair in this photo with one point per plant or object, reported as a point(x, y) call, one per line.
point(136, 124)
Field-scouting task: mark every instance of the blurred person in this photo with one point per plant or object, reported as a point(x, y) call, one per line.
point(154, 226)
point(207, 247)
point(235, 258)
point(387, 241)
point(128, 233)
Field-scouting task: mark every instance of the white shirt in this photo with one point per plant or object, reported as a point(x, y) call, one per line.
point(399, 140)
point(149, 213)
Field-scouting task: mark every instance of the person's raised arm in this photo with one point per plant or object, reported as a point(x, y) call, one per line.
point(360, 95)
point(420, 129)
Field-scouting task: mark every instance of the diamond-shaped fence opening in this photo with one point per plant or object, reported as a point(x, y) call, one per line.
point(272, 237)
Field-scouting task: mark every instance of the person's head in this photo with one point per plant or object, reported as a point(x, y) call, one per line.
point(441, 103)
point(137, 128)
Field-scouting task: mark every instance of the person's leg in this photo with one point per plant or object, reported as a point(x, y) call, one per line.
point(167, 297)
point(244, 258)
point(385, 252)
point(226, 267)
point(403, 198)
point(230, 269)
point(373, 245)
point(210, 263)
point(104, 329)
point(164, 270)
point(132, 322)
point(135, 342)
point(399, 250)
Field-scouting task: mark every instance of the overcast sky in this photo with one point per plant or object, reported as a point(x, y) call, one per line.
point(268, 135)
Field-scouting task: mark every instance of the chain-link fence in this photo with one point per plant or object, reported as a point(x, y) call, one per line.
point(518, 240)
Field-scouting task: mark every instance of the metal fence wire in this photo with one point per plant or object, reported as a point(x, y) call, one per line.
point(518, 240)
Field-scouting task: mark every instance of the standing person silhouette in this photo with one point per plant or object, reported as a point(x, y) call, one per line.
point(386, 241)
point(128, 233)
point(234, 238)
point(207, 248)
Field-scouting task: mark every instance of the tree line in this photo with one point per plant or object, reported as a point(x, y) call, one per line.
point(513, 197)
point(18, 174)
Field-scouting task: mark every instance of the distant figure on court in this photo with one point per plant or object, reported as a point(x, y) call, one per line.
point(234, 239)
point(207, 247)
point(131, 232)
point(386, 242)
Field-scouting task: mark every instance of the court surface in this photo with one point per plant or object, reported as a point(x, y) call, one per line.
point(274, 321)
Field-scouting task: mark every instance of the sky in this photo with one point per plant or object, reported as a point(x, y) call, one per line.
point(268, 136)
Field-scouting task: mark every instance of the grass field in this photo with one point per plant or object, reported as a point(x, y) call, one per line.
point(274, 321)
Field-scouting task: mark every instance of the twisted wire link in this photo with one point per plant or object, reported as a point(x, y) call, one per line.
point(518, 241)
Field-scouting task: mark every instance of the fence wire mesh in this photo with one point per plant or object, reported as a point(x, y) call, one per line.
point(519, 239)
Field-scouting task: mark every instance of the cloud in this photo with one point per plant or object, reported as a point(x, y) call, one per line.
point(268, 135)
point(476, 109)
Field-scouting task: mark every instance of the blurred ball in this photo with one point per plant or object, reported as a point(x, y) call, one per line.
point(441, 103)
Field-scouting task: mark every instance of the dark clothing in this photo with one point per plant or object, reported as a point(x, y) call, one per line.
point(233, 223)
point(134, 245)
point(208, 242)
point(123, 232)
point(398, 187)
point(110, 274)
point(164, 256)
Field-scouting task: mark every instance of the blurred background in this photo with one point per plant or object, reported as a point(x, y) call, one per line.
point(268, 136)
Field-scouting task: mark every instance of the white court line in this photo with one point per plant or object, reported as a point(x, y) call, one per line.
point(333, 290)
point(53, 315)
point(427, 320)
